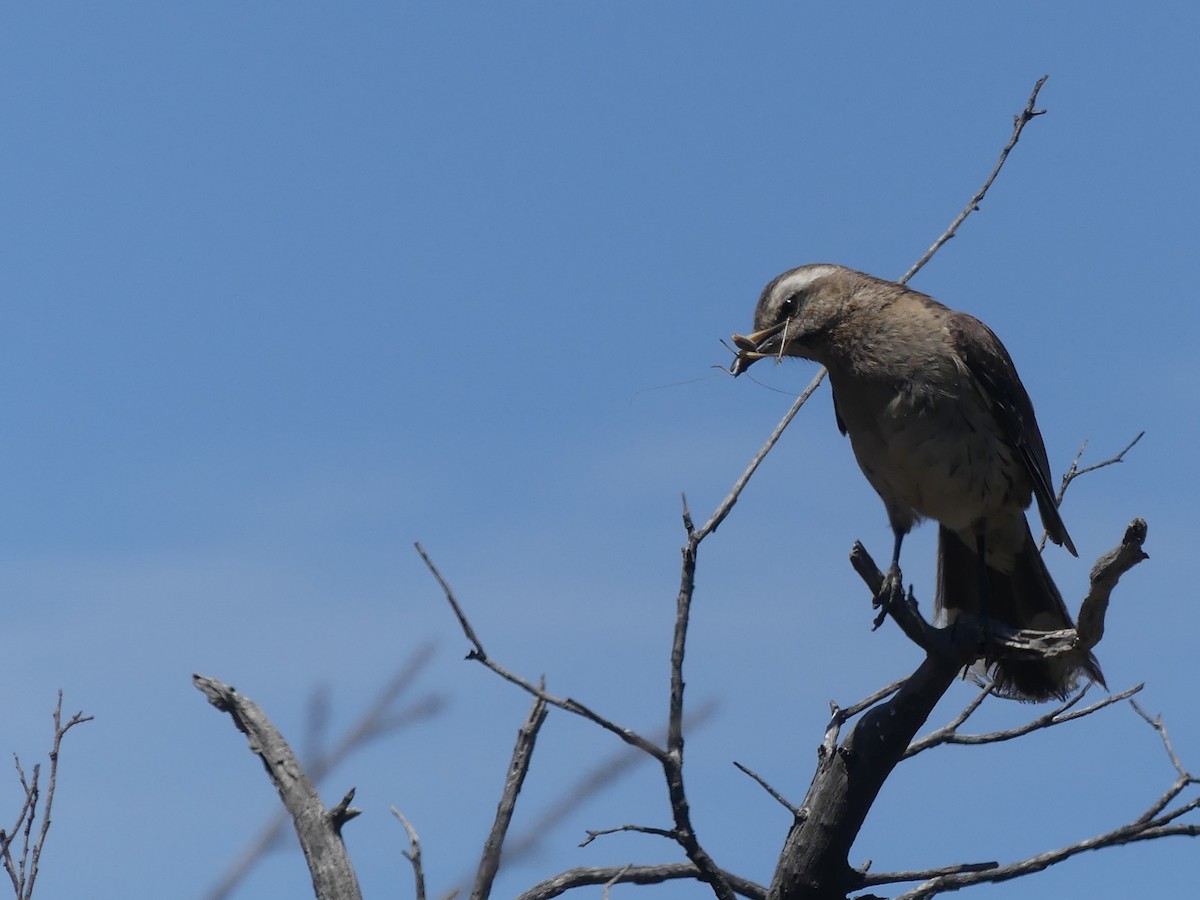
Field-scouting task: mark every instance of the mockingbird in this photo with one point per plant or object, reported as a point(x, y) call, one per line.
point(943, 429)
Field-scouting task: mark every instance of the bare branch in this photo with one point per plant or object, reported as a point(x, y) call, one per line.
point(28, 809)
point(318, 829)
point(1157, 724)
point(778, 797)
point(839, 716)
point(871, 880)
point(462, 619)
point(1154, 815)
point(23, 872)
point(586, 877)
point(1073, 472)
point(1126, 834)
point(626, 734)
point(971, 633)
point(619, 829)
point(608, 885)
point(518, 767)
point(1104, 577)
point(819, 842)
point(587, 786)
point(378, 720)
point(1020, 120)
point(726, 505)
point(1151, 825)
point(941, 735)
point(949, 733)
point(671, 758)
point(935, 641)
point(413, 854)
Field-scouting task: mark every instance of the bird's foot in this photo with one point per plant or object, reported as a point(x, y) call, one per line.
point(891, 591)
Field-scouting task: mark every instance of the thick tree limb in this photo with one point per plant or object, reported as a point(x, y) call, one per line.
point(318, 829)
point(384, 716)
point(815, 861)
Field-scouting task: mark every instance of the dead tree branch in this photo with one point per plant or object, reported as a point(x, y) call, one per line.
point(413, 853)
point(489, 865)
point(319, 829)
point(588, 785)
point(815, 859)
point(669, 758)
point(585, 877)
point(1103, 578)
point(383, 717)
point(23, 870)
point(1156, 822)
point(1073, 472)
point(949, 734)
point(1020, 120)
point(565, 703)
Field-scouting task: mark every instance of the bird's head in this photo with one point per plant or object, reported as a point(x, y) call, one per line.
point(795, 309)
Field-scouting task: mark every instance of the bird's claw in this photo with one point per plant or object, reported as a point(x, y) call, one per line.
point(891, 591)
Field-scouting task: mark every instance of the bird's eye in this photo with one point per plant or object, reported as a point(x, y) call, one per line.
point(788, 309)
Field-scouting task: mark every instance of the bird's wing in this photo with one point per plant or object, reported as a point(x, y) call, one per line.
point(996, 377)
point(837, 415)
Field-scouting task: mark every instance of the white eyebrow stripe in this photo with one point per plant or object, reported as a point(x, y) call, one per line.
point(801, 278)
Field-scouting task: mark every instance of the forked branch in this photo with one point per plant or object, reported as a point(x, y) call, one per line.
point(23, 868)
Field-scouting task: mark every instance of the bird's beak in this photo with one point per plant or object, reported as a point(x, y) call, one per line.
point(750, 347)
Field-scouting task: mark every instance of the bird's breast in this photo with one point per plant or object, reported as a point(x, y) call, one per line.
point(929, 446)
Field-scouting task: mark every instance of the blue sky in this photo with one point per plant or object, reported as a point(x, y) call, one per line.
point(288, 286)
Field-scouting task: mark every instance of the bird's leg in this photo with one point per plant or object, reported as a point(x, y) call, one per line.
point(892, 589)
point(981, 557)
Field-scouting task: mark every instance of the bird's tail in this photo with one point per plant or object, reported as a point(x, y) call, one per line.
point(1024, 597)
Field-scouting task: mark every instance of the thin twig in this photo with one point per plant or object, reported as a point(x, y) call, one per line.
point(462, 619)
point(671, 758)
point(1151, 825)
point(607, 892)
point(23, 872)
point(948, 734)
point(592, 834)
point(1156, 723)
point(1020, 120)
point(413, 854)
point(877, 878)
point(587, 786)
point(726, 505)
point(572, 706)
point(762, 783)
point(1074, 471)
point(587, 876)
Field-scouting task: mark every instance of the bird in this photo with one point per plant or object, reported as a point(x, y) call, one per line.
point(943, 429)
